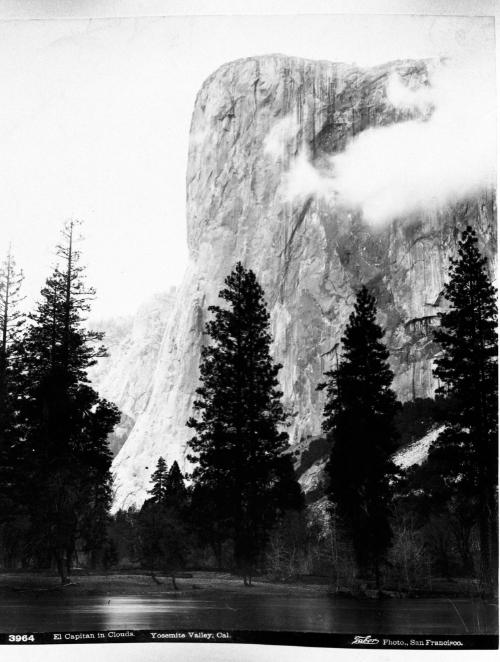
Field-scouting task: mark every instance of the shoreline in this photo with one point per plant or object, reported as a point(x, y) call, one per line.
point(210, 583)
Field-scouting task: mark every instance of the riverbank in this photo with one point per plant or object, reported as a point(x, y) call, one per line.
point(147, 584)
point(222, 603)
point(190, 583)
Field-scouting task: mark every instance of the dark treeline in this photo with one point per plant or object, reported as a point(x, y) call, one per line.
point(241, 509)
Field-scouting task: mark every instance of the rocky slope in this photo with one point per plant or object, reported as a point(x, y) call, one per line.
point(252, 120)
point(311, 454)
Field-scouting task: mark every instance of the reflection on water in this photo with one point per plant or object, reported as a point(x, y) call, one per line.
point(248, 612)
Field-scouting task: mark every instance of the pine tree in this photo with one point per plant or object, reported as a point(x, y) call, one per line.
point(359, 418)
point(175, 489)
point(287, 494)
point(66, 424)
point(159, 481)
point(238, 443)
point(466, 452)
point(11, 322)
point(163, 534)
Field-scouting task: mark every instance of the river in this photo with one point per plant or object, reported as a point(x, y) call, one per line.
point(41, 613)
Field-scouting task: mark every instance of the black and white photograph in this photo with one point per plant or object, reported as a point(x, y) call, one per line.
point(248, 326)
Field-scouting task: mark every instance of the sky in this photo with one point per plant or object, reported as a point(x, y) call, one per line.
point(95, 117)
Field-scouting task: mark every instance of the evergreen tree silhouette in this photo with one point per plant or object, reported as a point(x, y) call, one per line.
point(11, 467)
point(11, 321)
point(175, 489)
point(159, 481)
point(163, 532)
point(65, 423)
point(466, 453)
point(238, 442)
point(287, 494)
point(359, 418)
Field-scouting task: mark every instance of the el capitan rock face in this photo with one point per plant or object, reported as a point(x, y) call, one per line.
point(252, 118)
point(124, 376)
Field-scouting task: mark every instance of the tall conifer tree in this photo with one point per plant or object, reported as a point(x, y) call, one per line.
point(359, 413)
point(238, 441)
point(466, 451)
point(11, 472)
point(159, 481)
point(66, 423)
point(11, 321)
point(175, 489)
point(163, 539)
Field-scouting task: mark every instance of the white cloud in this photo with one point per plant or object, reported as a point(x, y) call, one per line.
point(304, 180)
point(280, 135)
point(393, 171)
point(408, 96)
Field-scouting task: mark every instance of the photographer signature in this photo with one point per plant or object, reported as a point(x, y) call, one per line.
point(358, 639)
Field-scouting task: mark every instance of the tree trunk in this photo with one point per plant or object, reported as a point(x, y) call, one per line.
point(494, 542)
point(61, 566)
point(218, 553)
point(377, 575)
point(69, 558)
point(485, 543)
point(216, 546)
point(488, 540)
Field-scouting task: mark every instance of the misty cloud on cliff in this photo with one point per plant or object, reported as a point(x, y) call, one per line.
point(280, 135)
point(447, 153)
point(304, 179)
point(409, 97)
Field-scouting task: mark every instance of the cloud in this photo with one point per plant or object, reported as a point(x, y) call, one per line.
point(304, 180)
point(408, 96)
point(447, 153)
point(279, 135)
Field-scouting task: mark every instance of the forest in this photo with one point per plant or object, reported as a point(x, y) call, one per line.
point(374, 527)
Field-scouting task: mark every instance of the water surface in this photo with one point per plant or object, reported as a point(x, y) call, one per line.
point(40, 613)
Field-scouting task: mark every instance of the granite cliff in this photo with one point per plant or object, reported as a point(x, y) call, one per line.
point(124, 376)
point(252, 120)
